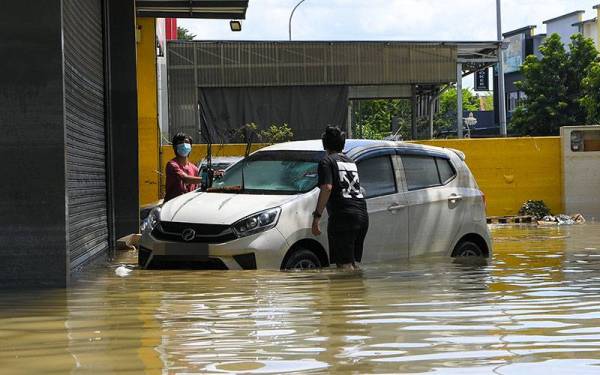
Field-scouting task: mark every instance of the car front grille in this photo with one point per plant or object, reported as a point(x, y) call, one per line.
point(206, 233)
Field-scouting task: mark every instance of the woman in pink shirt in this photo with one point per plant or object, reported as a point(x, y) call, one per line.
point(182, 176)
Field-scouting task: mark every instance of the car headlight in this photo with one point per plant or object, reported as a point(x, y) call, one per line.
point(257, 222)
point(152, 220)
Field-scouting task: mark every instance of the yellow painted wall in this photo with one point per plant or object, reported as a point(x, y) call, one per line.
point(148, 128)
point(512, 170)
point(508, 170)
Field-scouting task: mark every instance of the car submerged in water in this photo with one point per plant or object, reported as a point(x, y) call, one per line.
point(420, 199)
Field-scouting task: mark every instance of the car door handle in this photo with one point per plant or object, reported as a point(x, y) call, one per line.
point(455, 198)
point(396, 207)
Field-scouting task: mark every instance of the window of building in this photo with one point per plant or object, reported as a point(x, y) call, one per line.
point(377, 176)
point(513, 100)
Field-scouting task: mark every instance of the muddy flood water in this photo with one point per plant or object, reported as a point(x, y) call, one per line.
point(533, 309)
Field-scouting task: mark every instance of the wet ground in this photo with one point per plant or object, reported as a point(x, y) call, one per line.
point(533, 309)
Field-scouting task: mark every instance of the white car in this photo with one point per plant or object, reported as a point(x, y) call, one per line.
point(420, 199)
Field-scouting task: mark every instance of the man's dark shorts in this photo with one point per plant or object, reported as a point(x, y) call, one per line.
point(346, 245)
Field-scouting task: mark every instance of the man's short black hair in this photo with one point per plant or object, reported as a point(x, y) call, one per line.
point(333, 138)
point(181, 138)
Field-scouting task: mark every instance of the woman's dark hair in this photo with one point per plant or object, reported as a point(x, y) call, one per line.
point(333, 139)
point(181, 138)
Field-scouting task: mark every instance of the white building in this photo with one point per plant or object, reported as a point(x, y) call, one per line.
point(565, 26)
point(589, 29)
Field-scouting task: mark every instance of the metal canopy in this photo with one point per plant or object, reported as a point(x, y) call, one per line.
point(271, 63)
point(476, 56)
point(212, 9)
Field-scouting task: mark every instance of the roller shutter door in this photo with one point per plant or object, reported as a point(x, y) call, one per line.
point(85, 129)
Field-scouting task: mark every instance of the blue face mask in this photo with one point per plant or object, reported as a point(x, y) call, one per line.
point(184, 149)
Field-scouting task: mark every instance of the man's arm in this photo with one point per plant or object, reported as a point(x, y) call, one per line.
point(325, 185)
point(177, 170)
point(323, 198)
point(190, 179)
point(324, 195)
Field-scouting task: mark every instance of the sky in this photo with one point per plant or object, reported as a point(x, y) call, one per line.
point(386, 19)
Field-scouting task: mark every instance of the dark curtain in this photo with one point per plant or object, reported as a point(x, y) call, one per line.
point(306, 109)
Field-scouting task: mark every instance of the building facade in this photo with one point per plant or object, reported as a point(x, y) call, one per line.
point(69, 117)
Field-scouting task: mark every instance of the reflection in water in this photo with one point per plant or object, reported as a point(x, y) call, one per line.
point(534, 308)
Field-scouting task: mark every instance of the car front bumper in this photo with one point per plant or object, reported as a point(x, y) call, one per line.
point(264, 250)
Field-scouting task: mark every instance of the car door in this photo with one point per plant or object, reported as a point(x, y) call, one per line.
point(435, 206)
point(387, 237)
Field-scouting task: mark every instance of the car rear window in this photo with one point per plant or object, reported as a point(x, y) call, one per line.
point(426, 171)
point(446, 170)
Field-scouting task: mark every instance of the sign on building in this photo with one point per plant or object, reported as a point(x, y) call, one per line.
point(482, 80)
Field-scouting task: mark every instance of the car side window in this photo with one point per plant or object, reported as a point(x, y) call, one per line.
point(377, 176)
point(446, 170)
point(420, 171)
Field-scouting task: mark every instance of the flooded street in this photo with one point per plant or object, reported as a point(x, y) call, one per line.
point(533, 309)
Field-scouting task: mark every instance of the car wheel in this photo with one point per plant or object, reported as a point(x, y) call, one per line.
point(302, 259)
point(467, 249)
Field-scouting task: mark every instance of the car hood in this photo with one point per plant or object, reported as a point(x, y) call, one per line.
point(218, 208)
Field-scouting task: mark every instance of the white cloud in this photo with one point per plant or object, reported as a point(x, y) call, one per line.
point(385, 19)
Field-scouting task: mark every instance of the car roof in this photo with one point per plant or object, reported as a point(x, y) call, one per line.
point(352, 147)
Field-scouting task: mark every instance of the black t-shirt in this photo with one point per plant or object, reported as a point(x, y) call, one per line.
point(346, 206)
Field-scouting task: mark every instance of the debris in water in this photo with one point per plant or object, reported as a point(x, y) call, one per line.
point(122, 271)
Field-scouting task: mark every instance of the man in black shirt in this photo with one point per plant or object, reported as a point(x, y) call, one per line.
point(340, 192)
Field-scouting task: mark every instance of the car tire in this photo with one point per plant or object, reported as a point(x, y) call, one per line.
point(302, 259)
point(467, 249)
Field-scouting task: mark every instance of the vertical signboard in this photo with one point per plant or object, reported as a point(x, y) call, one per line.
point(482, 80)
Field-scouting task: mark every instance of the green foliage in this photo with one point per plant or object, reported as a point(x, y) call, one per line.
point(246, 133)
point(553, 86)
point(277, 133)
point(537, 209)
point(582, 55)
point(373, 118)
point(184, 34)
point(487, 103)
point(445, 119)
point(591, 89)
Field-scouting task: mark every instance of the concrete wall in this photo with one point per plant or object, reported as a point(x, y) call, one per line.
point(32, 146)
point(509, 171)
point(122, 118)
point(581, 178)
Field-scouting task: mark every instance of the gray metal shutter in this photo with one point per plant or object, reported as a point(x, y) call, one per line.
point(85, 129)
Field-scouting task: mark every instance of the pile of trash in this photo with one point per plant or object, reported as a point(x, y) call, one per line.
point(562, 219)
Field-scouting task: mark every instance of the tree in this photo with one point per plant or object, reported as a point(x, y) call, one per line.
point(184, 34)
point(277, 133)
point(582, 55)
point(553, 87)
point(591, 89)
point(445, 119)
point(373, 118)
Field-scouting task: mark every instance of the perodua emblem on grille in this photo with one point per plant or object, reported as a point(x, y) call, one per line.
point(188, 234)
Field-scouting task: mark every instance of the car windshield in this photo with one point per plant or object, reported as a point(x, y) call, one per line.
point(272, 172)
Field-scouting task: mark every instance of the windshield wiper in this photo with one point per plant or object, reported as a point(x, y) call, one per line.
point(225, 189)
